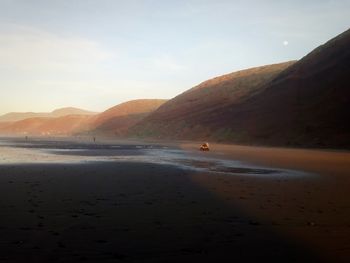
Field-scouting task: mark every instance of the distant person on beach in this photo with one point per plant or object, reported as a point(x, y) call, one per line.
point(26, 138)
point(94, 139)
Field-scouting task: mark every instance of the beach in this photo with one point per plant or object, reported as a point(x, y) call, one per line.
point(72, 200)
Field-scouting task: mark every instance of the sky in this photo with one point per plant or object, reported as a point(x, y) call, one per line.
point(94, 54)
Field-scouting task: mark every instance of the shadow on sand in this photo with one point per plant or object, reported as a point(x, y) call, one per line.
point(128, 212)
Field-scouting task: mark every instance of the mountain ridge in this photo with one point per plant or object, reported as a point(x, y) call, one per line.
point(115, 120)
point(17, 116)
point(305, 104)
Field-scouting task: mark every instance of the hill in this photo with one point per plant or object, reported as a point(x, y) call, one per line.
point(114, 121)
point(182, 116)
point(118, 119)
point(65, 125)
point(71, 111)
point(305, 104)
point(18, 116)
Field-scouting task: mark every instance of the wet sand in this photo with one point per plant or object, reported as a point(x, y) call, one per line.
point(325, 162)
point(141, 204)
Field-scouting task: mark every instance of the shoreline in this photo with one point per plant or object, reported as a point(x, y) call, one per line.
point(325, 162)
point(321, 161)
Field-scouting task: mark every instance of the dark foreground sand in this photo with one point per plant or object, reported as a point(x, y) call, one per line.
point(147, 212)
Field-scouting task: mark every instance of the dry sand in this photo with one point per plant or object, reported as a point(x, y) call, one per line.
point(121, 211)
point(313, 210)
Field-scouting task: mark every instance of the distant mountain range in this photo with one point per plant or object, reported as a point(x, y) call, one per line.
point(69, 121)
point(301, 103)
point(18, 116)
point(65, 125)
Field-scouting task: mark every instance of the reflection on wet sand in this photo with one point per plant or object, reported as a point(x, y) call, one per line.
point(41, 151)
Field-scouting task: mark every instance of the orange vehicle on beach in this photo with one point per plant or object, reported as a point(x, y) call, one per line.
point(204, 147)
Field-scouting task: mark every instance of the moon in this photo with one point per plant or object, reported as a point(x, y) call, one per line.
point(285, 43)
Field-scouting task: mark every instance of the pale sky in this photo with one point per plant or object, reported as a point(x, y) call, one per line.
point(94, 54)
